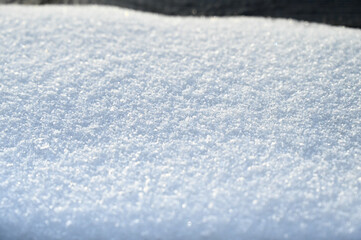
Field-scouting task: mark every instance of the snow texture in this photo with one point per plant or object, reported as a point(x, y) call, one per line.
point(116, 124)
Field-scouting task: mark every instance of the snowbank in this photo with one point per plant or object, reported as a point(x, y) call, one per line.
point(117, 124)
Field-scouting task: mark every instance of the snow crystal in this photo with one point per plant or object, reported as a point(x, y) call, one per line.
point(116, 124)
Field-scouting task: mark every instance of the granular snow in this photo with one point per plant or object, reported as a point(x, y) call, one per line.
point(116, 124)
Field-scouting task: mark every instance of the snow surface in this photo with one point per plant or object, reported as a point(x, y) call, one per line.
point(116, 124)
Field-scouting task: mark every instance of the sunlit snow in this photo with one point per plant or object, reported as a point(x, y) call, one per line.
point(116, 124)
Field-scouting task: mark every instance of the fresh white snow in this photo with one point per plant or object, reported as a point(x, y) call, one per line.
point(116, 124)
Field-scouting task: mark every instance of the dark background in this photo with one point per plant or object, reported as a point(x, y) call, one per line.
point(335, 12)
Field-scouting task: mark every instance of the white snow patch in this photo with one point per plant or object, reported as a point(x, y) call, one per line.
point(116, 124)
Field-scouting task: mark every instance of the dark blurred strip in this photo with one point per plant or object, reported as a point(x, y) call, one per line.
point(335, 12)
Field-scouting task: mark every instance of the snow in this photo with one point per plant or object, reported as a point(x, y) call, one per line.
point(116, 124)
